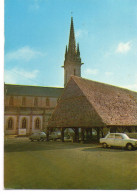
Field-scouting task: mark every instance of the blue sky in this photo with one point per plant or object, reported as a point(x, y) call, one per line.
point(37, 31)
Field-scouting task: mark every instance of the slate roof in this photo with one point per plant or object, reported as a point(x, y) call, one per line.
point(26, 90)
point(86, 103)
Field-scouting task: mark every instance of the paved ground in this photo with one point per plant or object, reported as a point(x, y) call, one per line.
point(56, 165)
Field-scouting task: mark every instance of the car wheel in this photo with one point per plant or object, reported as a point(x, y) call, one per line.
point(129, 147)
point(104, 145)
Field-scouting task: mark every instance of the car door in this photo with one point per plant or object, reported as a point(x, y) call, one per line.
point(110, 139)
point(119, 141)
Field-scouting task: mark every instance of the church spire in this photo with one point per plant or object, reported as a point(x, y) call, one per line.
point(72, 43)
point(72, 62)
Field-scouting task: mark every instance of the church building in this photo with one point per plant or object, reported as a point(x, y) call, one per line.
point(28, 108)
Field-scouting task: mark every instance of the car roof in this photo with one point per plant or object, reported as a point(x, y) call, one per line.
point(116, 133)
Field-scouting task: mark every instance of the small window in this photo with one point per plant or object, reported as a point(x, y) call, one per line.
point(36, 102)
point(24, 123)
point(11, 101)
point(111, 136)
point(47, 102)
point(23, 101)
point(37, 123)
point(10, 123)
point(118, 136)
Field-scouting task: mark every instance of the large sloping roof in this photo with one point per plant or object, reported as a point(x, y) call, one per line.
point(87, 103)
point(26, 90)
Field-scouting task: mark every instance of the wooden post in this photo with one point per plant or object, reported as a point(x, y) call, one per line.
point(82, 135)
point(98, 133)
point(47, 134)
point(76, 134)
point(91, 133)
point(62, 134)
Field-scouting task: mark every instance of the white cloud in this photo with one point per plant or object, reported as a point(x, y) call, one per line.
point(89, 71)
point(17, 76)
point(123, 47)
point(80, 33)
point(108, 73)
point(25, 53)
point(131, 87)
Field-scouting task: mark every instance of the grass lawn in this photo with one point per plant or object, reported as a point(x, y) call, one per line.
point(56, 165)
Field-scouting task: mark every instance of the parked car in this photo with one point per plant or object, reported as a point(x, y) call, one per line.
point(55, 135)
point(40, 136)
point(120, 140)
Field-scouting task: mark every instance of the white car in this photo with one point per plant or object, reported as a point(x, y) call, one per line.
point(120, 140)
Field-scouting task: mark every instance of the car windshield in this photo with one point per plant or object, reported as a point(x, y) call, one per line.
point(42, 133)
point(125, 136)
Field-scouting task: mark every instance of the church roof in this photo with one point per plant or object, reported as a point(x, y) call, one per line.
point(26, 90)
point(86, 103)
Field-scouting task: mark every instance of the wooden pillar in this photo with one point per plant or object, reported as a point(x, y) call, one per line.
point(101, 129)
point(62, 134)
point(82, 134)
point(98, 133)
point(91, 133)
point(76, 135)
point(47, 134)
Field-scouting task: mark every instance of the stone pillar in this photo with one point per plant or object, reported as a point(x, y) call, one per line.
point(17, 124)
point(30, 131)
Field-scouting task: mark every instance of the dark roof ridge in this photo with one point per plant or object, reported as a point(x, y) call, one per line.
point(31, 85)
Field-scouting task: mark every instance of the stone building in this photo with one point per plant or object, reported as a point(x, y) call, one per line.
point(28, 108)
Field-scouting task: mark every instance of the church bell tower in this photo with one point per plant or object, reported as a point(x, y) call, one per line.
point(72, 62)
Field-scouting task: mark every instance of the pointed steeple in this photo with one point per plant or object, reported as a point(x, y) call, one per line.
point(78, 52)
point(66, 50)
point(72, 62)
point(72, 43)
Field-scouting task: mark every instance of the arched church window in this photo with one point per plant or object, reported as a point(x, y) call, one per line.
point(23, 101)
point(47, 102)
point(36, 102)
point(10, 123)
point(37, 123)
point(24, 122)
point(11, 101)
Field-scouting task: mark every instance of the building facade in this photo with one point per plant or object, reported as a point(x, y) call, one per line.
point(28, 108)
